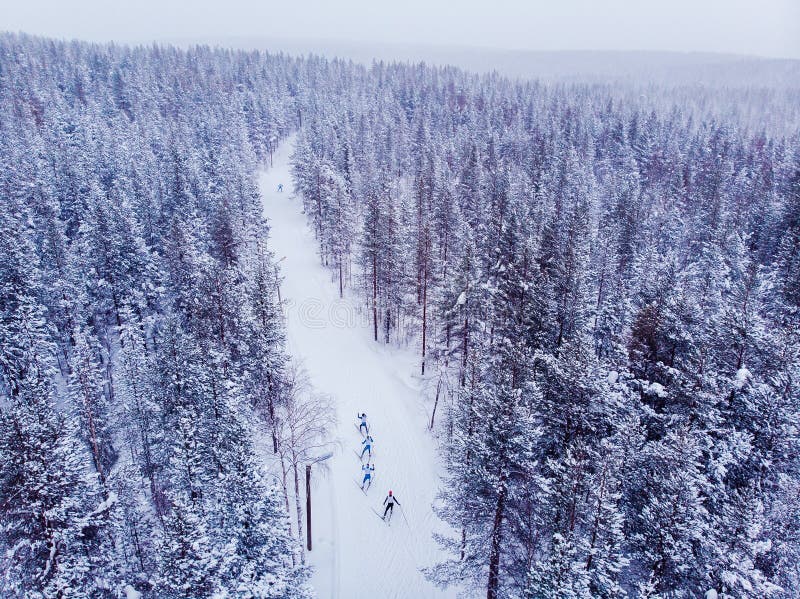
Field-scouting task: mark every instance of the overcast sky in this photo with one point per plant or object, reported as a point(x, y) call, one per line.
point(757, 27)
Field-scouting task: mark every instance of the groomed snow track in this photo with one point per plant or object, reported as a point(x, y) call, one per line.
point(355, 554)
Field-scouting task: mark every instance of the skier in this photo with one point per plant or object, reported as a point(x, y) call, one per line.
point(363, 418)
point(280, 187)
point(367, 443)
point(368, 470)
point(389, 503)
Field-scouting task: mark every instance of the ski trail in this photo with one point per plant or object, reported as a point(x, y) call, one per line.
point(355, 554)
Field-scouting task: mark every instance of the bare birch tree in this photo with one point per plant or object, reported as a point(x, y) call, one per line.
point(304, 423)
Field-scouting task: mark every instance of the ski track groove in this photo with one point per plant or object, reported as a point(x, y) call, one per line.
point(354, 555)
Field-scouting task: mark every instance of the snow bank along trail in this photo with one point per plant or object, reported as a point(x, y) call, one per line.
point(355, 554)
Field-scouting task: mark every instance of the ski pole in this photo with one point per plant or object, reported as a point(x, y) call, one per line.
point(403, 512)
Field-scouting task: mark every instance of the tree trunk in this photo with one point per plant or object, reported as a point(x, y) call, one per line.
point(375, 295)
point(464, 350)
point(341, 279)
point(298, 510)
point(93, 437)
point(596, 522)
point(436, 402)
point(424, 304)
point(319, 220)
point(285, 484)
point(273, 422)
point(285, 489)
point(497, 538)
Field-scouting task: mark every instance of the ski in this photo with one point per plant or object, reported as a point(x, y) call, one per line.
point(388, 522)
point(369, 457)
point(364, 491)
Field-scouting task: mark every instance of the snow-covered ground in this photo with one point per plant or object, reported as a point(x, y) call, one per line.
point(355, 554)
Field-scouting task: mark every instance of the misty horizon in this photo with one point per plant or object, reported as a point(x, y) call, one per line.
point(769, 30)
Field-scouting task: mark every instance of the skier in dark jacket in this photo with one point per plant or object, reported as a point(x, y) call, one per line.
point(389, 503)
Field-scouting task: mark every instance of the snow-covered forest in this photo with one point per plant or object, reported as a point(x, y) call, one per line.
point(607, 298)
point(601, 285)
